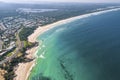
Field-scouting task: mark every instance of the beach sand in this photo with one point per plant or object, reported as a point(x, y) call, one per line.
point(2, 73)
point(23, 70)
point(40, 30)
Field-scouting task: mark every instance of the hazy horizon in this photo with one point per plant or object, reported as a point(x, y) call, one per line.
point(81, 1)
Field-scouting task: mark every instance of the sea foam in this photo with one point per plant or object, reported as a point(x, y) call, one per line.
point(93, 14)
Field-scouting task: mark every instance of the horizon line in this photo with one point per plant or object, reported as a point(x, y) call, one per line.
point(45, 2)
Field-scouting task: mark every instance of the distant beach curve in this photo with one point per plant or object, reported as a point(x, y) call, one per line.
point(24, 69)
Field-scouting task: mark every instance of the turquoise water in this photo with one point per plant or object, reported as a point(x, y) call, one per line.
point(85, 49)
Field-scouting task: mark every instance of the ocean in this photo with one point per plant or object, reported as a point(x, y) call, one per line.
point(84, 49)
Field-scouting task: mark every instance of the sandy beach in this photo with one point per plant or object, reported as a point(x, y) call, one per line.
point(40, 30)
point(23, 70)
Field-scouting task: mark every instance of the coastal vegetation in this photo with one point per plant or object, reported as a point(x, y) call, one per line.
point(7, 54)
point(25, 32)
point(20, 56)
point(9, 67)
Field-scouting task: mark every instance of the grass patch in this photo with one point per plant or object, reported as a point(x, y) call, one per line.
point(26, 44)
point(9, 54)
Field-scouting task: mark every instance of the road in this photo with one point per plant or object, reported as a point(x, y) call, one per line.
point(11, 57)
point(19, 44)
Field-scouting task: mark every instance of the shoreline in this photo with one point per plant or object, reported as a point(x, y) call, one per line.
point(33, 64)
point(40, 30)
point(25, 68)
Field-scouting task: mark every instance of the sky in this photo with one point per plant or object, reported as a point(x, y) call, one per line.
point(29, 1)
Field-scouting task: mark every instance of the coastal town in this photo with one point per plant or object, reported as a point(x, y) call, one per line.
point(10, 28)
point(22, 25)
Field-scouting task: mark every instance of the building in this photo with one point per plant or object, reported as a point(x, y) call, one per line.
point(2, 27)
point(1, 44)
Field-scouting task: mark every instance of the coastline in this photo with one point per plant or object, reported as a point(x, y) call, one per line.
point(40, 30)
point(24, 69)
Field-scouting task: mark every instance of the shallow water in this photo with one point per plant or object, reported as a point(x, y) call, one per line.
point(85, 49)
